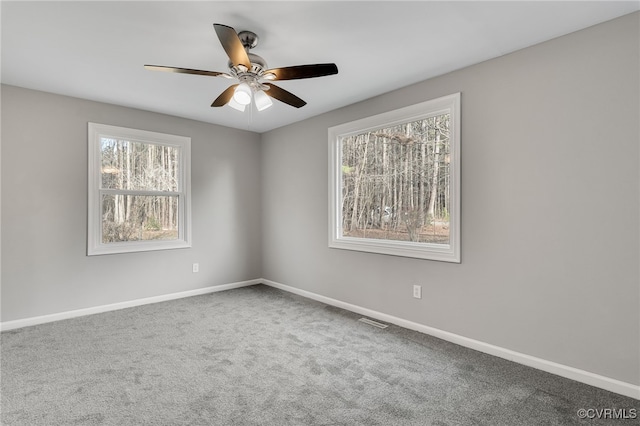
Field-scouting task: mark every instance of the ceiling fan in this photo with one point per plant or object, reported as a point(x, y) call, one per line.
point(254, 78)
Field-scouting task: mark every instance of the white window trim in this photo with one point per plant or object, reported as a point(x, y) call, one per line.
point(95, 246)
point(440, 252)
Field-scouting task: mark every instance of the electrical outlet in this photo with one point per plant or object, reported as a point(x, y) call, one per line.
point(417, 291)
point(196, 267)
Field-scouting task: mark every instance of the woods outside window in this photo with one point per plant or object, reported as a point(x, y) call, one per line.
point(139, 190)
point(395, 182)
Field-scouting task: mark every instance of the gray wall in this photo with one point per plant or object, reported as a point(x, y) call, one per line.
point(45, 269)
point(550, 219)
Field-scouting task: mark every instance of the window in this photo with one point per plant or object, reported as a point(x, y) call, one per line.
point(395, 182)
point(139, 190)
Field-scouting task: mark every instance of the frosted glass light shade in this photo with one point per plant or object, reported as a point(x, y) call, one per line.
point(235, 105)
point(242, 94)
point(262, 100)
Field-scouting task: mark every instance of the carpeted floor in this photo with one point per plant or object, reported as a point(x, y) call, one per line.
point(260, 356)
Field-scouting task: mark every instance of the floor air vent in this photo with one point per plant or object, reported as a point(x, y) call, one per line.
point(373, 323)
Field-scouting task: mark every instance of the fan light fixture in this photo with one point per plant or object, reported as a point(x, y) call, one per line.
point(242, 94)
point(262, 100)
point(242, 97)
point(235, 105)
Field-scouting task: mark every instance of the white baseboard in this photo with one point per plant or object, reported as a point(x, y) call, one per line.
point(613, 385)
point(10, 325)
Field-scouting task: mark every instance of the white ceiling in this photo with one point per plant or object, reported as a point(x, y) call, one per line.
point(96, 50)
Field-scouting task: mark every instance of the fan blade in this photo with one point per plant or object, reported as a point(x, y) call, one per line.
point(224, 96)
point(302, 71)
point(284, 96)
point(187, 71)
point(232, 45)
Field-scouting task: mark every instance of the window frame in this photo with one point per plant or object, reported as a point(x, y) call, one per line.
point(430, 251)
point(95, 246)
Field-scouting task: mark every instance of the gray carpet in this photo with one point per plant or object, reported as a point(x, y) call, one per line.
point(259, 356)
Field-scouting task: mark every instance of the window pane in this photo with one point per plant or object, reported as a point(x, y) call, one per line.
point(138, 166)
point(395, 182)
point(139, 218)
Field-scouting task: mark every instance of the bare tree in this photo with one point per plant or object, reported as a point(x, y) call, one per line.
point(395, 178)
